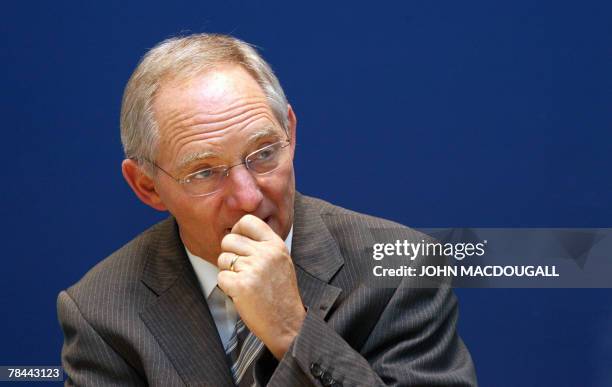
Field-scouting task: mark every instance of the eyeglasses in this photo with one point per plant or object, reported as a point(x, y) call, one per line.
point(208, 181)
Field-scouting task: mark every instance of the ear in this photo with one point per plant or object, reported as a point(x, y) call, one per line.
point(292, 127)
point(142, 185)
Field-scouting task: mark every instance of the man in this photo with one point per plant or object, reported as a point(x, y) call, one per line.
point(247, 281)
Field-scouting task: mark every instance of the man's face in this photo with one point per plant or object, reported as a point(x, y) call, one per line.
point(218, 118)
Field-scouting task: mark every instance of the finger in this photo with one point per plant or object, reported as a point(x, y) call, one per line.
point(238, 244)
point(254, 228)
point(224, 262)
point(227, 280)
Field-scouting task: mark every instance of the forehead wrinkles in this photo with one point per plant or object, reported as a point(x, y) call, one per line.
point(181, 118)
point(182, 129)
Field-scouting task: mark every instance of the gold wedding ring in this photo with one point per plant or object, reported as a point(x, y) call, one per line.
point(231, 266)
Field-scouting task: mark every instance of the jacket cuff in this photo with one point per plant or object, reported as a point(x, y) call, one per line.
point(319, 357)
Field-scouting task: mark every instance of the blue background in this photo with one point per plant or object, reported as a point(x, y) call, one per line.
point(430, 113)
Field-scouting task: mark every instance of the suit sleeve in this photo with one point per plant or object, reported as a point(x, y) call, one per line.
point(87, 359)
point(413, 343)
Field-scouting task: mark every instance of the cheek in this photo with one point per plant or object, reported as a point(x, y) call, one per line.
point(172, 197)
point(279, 187)
point(204, 222)
point(199, 214)
point(282, 193)
point(206, 214)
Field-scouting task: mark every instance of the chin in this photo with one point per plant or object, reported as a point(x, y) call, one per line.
point(278, 228)
point(273, 223)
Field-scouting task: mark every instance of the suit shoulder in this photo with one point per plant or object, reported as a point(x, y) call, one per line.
point(344, 218)
point(123, 267)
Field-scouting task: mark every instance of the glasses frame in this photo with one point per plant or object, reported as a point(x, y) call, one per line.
point(226, 168)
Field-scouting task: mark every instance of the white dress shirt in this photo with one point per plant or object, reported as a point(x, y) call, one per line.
point(221, 306)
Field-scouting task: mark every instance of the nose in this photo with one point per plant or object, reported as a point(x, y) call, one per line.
point(243, 191)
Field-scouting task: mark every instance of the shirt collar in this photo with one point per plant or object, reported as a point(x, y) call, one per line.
point(207, 272)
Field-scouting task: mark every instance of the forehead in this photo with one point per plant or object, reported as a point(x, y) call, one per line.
point(210, 92)
point(208, 110)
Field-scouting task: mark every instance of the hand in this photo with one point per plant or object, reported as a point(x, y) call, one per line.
point(262, 285)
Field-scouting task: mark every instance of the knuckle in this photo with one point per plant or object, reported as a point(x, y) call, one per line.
point(278, 244)
point(246, 220)
point(227, 240)
point(221, 260)
point(279, 255)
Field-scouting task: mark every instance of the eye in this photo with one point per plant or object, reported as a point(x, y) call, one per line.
point(265, 154)
point(204, 174)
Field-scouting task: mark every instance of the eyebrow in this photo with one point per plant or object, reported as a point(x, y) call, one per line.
point(267, 131)
point(186, 161)
point(190, 158)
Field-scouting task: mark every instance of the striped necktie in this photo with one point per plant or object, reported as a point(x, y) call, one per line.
point(243, 349)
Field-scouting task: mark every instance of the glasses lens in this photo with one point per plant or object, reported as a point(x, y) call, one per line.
point(262, 161)
point(205, 181)
point(266, 159)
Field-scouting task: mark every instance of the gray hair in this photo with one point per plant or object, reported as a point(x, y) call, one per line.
point(183, 58)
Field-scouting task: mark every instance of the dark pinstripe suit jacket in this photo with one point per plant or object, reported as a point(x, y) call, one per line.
point(139, 316)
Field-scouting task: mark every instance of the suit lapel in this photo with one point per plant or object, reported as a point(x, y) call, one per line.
point(179, 319)
point(316, 256)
